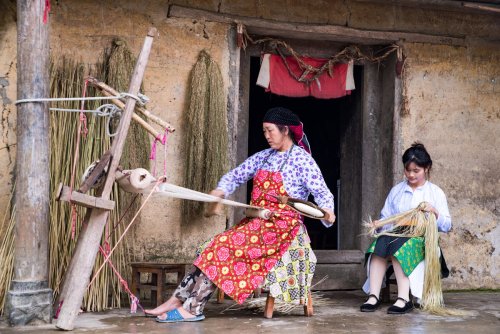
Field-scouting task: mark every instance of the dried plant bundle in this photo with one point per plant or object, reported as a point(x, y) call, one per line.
point(206, 131)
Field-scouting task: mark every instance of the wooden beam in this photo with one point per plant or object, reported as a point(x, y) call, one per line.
point(324, 32)
point(339, 256)
point(77, 278)
point(29, 297)
point(484, 8)
point(65, 193)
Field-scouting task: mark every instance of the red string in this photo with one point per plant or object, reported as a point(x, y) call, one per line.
point(46, 11)
point(152, 156)
point(134, 301)
point(82, 120)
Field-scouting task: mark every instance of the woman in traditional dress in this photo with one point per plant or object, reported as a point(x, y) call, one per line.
point(405, 254)
point(274, 253)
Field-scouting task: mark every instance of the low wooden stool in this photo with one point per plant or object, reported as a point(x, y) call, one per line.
point(158, 272)
point(269, 309)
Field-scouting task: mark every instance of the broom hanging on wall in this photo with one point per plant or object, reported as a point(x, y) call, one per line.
point(206, 131)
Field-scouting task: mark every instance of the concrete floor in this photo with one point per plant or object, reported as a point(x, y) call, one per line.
point(342, 316)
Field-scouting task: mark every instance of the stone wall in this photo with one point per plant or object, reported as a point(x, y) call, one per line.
point(454, 109)
point(451, 94)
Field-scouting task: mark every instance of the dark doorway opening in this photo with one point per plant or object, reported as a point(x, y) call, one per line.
point(325, 122)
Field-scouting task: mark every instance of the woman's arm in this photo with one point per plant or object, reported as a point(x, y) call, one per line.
point(241, 174)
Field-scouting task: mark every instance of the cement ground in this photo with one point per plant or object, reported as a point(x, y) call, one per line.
point(341, 316)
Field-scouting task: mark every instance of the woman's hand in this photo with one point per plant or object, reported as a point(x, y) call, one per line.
point(429, 208)
point(215, 208)
point(330, 216)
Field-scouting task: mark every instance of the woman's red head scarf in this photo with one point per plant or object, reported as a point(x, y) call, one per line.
point(283, 116)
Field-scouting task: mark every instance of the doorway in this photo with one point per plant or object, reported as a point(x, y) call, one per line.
point(325, 123)
point(355, 140)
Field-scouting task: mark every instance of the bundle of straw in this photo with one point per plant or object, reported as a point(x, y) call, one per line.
point(206, 131)
point(7, 251)
point(67, 77)
point(419, 223)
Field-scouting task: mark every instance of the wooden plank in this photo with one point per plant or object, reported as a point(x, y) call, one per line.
point(339, 256)
point(340, 276)
point(88, 244)
point(314, 32)
point(84, 200)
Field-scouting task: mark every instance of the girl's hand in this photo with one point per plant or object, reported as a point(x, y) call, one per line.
point(429, 208)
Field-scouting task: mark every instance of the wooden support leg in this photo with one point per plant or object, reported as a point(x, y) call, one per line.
point(268, 311)
point(308, 307)
point(220, 296)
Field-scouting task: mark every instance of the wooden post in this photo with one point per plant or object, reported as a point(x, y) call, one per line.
point(29, 297)
point(85, 254)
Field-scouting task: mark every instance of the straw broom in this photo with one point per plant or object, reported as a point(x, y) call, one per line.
point(418, 223)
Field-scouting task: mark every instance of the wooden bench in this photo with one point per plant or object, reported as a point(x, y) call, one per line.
point(158, 273)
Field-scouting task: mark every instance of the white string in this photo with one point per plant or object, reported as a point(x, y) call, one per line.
point(64, 99)
point(140, 98)
point(171, 190)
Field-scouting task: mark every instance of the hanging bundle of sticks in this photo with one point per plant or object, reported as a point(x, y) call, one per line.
point(418, 223)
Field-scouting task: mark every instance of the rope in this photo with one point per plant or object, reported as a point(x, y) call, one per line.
point(82, 120)
point(140, 98)
point(124, 232)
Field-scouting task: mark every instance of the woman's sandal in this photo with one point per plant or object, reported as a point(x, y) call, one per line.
point(401, 310)
point(175, 316)
point(370, 307)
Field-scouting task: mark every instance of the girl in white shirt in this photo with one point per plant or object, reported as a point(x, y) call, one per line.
point(405, 254)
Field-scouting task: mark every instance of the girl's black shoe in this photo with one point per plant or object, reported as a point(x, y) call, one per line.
point(401, 310)
point(370, 307)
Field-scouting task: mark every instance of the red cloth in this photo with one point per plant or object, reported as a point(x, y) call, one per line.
point(282, 83)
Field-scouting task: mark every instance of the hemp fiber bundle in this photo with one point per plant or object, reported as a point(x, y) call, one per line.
point(206, 131)
point(418, 223)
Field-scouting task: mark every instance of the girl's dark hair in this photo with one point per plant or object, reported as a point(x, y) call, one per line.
point(419, 155)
